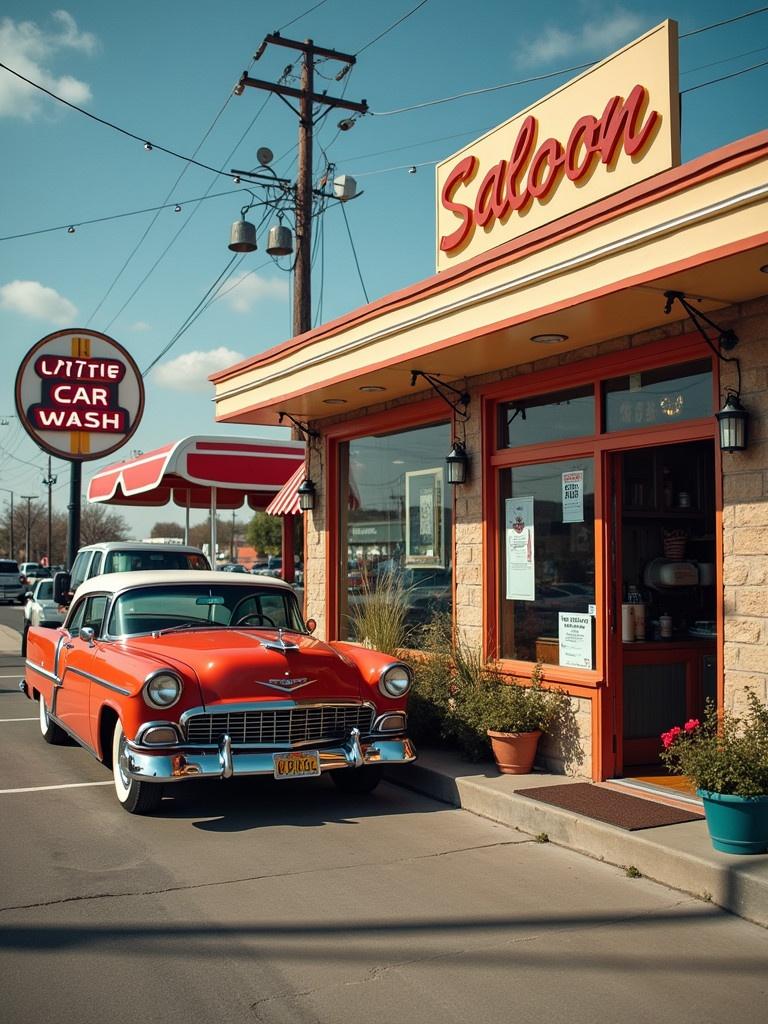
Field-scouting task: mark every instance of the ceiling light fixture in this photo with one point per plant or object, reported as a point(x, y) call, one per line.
point(334, 401)
point(371, 388)
point(549, 339)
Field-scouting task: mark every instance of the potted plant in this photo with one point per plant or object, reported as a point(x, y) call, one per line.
point(511, 714)
point(726, 758)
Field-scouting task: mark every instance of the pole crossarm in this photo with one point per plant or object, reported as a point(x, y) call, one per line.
point(315, 97)
point(307, 46)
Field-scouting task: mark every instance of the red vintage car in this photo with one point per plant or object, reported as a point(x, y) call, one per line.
point(172, 676)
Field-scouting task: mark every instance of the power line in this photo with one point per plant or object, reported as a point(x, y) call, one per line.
point(354, 253)
point(119, 216)
point(723, 78)
point(123, 131)
point(300, 16)
point(189, 320)
point(393, 25)
point(719, 24)
point(550, 74)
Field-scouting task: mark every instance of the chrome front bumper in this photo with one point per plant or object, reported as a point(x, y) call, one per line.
point(148, 765)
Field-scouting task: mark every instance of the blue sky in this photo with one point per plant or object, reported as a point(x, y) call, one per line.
point(165, 71)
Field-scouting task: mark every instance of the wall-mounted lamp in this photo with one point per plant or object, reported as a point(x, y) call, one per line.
point(306, 493)
point(732, 418)
point(457, 461)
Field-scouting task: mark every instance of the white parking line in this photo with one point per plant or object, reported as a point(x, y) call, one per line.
point(14, 676)
point(18, 719)
point(68, 785)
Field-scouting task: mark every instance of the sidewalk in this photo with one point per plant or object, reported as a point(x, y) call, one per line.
point(680, 856)
point(10, 640)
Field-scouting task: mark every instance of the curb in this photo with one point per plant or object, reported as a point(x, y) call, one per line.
point(679, 856)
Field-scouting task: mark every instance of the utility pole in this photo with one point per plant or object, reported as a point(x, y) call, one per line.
point(11, 552)
point(28, 498)
point(49, 481)
point(307, 97)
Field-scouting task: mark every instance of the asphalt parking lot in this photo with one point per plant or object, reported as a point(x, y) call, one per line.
point(290, 902)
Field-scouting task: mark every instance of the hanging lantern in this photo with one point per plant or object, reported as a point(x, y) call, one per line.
point(732, 420)
point(242, 237)
point(458, 461)
point(279, 240)
point(306, 493)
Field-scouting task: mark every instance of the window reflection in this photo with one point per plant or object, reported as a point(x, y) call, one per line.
point(395, 518)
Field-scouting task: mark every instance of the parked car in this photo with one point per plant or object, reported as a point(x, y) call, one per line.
point(127, 556)
point(40, 609)
point(34, 571)
point(171, 676)
point(11, 582)
point(232, 567)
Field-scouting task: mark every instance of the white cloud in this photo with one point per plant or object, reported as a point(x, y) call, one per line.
point(245, 290)
point(140, 325)
point(598, 38)
point(190, 371)
point(29, 49)
point(32, 299)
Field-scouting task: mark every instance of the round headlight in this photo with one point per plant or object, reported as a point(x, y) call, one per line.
point(395, 681)
point(162, 690)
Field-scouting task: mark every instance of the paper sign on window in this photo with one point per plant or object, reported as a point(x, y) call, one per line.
point(573, 496)
point(520, 551)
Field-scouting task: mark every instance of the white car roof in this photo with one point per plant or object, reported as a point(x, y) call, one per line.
point(112, 582)
point(138, 545)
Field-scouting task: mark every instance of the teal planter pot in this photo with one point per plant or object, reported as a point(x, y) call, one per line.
point(737, 824)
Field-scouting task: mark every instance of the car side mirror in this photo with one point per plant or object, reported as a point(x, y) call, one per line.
point(87, 634)
point(311, 625)
point(28, 595)
point(61, 584)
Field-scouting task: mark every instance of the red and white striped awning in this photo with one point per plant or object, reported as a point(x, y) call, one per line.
point(286, 501)
point(197, 472)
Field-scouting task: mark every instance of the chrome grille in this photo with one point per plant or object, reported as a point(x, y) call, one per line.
point(281, 727)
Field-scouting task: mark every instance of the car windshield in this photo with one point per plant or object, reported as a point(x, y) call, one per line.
point(149, 609)
point(6, 566)
point(44, 591)
point(136, 561)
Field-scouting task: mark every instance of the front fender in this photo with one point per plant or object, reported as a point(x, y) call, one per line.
point(370, 664)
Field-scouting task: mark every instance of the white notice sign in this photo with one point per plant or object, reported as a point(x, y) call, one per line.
point(575, 636)
point(521, 562)
point(573, 496)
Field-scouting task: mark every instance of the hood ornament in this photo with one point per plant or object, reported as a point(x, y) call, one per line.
point(280, 643)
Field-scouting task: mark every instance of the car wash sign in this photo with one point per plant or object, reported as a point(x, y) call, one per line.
point(599, 134)
point(79, 394)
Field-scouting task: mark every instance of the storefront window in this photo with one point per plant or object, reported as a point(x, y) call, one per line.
point(659, 397)
point(550, 417)
point(395, 519)
point(547, 562)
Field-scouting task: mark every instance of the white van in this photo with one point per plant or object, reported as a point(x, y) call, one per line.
point(126, 556)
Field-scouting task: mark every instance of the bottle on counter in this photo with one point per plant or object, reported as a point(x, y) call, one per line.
point(665, 626)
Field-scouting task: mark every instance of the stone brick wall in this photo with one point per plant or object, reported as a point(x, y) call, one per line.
point(745, 514)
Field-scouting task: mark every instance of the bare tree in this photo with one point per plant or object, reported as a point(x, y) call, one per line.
point(97, 523)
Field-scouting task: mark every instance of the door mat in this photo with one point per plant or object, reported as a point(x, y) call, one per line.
point(628, 812)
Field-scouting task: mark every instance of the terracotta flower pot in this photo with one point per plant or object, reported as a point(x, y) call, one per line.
point(514, 751)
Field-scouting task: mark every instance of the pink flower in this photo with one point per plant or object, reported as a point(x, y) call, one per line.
point(691, 724)
point(668, 738)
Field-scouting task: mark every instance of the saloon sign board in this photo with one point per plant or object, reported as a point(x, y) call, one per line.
point(79, 394)
point(604, 131)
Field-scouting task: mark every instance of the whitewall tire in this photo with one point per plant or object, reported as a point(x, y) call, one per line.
point(134, 796)
point(50, 732)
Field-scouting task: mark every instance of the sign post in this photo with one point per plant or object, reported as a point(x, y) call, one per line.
point(79, 396)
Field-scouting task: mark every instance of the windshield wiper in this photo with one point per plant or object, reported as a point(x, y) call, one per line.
point(186, 625)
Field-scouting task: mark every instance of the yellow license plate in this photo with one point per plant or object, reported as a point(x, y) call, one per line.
point(297, 764)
